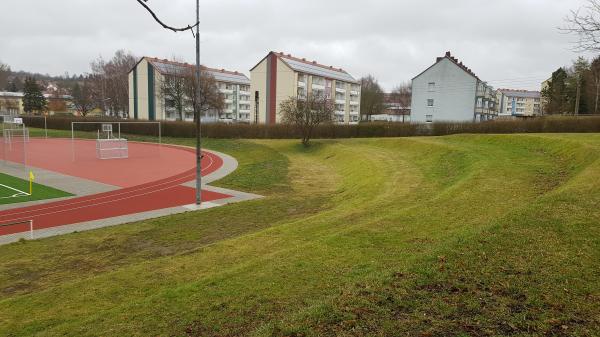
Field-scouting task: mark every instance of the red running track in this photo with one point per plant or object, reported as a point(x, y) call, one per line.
point(151, 181)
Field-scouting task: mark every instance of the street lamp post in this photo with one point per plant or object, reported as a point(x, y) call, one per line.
point(197, 108)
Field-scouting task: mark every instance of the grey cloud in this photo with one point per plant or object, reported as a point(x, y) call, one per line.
point(512, 43)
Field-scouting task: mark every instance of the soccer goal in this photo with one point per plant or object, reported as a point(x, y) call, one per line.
point(113, 139)
point(14, 131)
point(109, 147)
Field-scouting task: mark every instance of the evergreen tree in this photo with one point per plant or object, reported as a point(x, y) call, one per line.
point(556, 94)
point(578, 77)
point(33, 98)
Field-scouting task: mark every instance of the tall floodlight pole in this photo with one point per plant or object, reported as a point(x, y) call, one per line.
point(198, 116)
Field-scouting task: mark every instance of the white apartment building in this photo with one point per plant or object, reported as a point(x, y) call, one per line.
point(146, 101)
point(449, 91)
point(519, 103)
point(279, 76)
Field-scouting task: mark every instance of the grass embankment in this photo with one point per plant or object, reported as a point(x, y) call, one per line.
point(462, 235)
point(14, 190)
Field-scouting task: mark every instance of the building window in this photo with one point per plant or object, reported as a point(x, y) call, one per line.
point(431, 86)
point(430, 102)
point(429, 118)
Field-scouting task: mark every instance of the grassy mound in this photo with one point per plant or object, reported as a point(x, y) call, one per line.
point(461, 235)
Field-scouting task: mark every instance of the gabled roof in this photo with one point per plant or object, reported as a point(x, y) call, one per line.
point(311, 67)
point(166, 67)
point(454, 60)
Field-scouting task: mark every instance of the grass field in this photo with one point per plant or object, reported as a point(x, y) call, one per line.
point(452, 236)
point(15, 190)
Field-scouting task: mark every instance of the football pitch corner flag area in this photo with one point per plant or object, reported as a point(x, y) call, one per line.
point(16, 190)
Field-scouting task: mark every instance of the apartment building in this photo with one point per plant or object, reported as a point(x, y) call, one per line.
point(450, 91)
point(279, 76)
point(519, 103)
point(11, 103)
point(147, 102)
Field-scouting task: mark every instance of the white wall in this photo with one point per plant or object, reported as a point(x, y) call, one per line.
point(454, 94)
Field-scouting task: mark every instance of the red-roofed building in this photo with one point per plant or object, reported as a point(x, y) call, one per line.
point(279, 76)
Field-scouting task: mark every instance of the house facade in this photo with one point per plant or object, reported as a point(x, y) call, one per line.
point(147, 102)
point(519, 103)
point(278, 77)
point(450, 91)
point(11, 104)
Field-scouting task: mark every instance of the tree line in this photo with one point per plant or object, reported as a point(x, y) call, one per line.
point(105, 87)
point(574, 90)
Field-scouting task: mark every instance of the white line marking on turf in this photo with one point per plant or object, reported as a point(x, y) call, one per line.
point(19, 194)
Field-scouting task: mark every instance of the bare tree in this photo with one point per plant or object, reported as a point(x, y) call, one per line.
point(4, 74)
point(372, 97)
point(173, 92)
point(83, 97)
point(585, 23)
point(112, 82)
point(210, 96)
point(307, 113)
point(178, 90)
point(400, 99)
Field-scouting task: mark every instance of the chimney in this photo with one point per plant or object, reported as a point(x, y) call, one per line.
point(289, 55)
point(303, 59)
point(448, 54)
point(314, 62)
point(222, 70)
point(281, 53)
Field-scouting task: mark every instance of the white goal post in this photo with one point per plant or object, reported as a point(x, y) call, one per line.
point(111, 147)
point(10, 134)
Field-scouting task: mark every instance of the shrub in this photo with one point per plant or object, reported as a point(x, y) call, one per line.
point(332, 131)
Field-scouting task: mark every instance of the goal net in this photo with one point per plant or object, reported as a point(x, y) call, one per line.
point(115, 140)
point(109, 147)
point(15, 137)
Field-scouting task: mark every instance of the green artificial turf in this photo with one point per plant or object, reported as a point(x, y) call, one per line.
point(15, 190)
point(470, 235)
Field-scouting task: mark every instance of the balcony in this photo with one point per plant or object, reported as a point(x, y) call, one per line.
point(340, 90)
point(354, 102)
point(340, 101)
point(318, 86)
point(301, 84)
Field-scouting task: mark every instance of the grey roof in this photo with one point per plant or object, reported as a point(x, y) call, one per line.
point(520, 93)
point(317, 69)
point(10, 94)
point(229, 77)
point(176, 68)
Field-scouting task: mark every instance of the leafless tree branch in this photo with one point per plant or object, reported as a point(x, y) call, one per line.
point(190, 28)
point(585, 22)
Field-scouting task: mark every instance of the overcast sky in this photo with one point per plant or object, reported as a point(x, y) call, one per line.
point(510, 43)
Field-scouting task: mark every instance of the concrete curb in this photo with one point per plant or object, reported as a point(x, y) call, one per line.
point(230, 164)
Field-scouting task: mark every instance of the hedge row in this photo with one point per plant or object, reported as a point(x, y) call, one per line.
point(362, 130)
